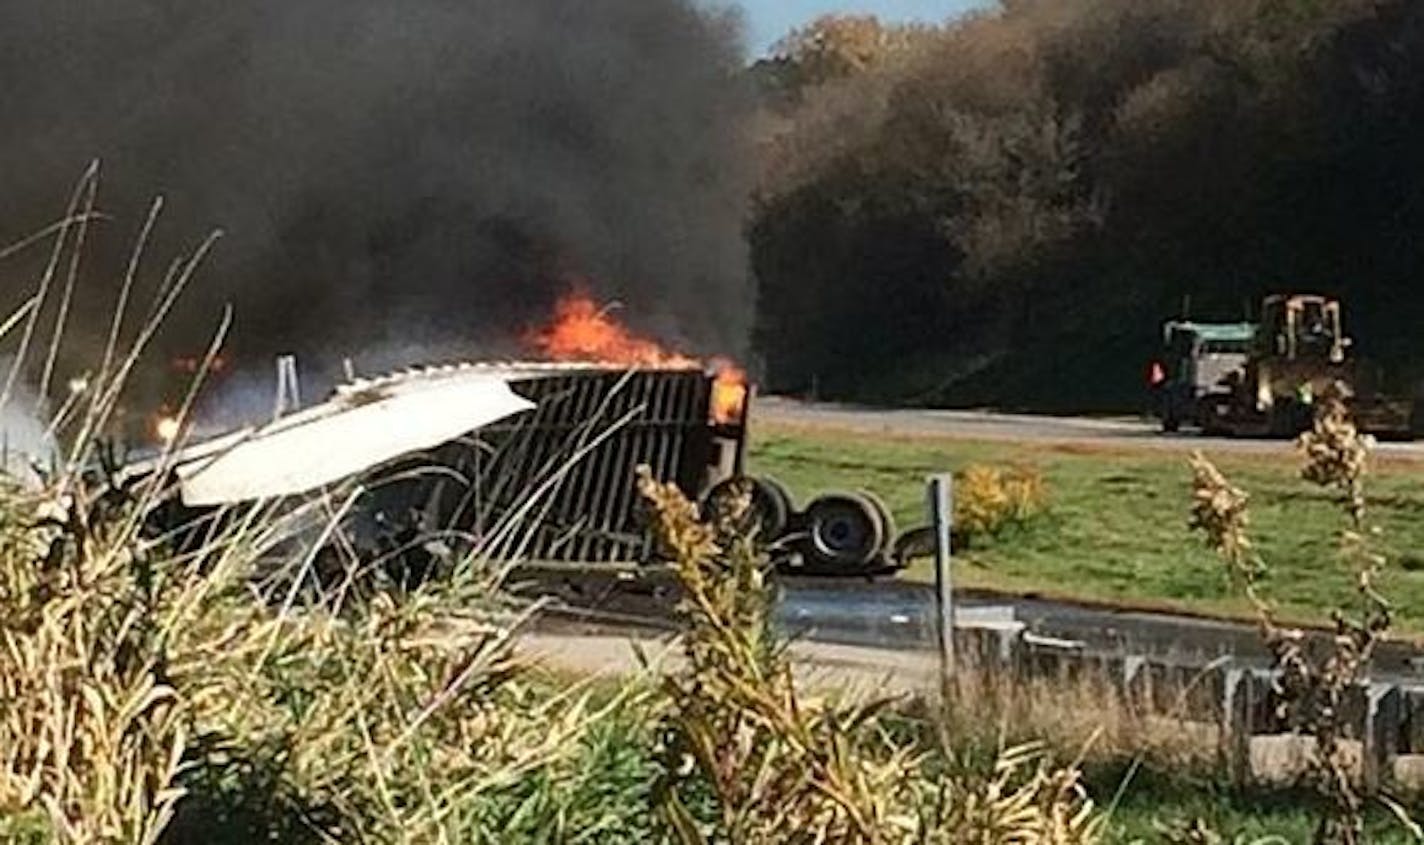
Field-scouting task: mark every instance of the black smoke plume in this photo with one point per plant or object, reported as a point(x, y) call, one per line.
point(392, 178)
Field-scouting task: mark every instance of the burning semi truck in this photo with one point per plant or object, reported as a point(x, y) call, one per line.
point(556, 484)
point(528, 461)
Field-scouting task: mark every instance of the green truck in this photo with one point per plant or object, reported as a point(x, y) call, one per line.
point(1196, 368)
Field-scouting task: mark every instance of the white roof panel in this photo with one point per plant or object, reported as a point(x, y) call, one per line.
point(362, 427)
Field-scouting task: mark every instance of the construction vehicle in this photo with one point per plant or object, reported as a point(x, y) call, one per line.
point(1261, 379)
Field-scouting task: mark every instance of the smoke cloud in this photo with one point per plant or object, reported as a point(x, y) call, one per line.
point(391, 177)
point(25, 441)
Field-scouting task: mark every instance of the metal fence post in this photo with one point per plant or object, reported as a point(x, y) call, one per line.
point(941, 499)
point(289, 394)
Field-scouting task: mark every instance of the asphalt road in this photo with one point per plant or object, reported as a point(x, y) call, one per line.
point(900, 616)
point(983, 425)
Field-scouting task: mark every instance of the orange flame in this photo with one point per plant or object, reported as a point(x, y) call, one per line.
point(581, 330)
point(191, 364)
point(729, 393)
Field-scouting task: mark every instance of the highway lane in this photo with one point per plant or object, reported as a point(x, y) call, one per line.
point(900, 615)
point(1119, 432)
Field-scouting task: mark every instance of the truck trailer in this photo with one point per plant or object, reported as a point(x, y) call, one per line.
point(547, 476)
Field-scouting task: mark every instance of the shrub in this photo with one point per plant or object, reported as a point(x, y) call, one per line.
point(131, 677)
point(988, 498)
point(92, 727)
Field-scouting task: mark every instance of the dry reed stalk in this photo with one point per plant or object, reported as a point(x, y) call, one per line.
point(1310, 689)
point(783, 768)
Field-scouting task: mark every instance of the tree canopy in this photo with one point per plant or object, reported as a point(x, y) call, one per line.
point(1004, 209)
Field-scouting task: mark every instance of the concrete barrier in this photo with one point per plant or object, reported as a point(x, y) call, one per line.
point(1383, 722)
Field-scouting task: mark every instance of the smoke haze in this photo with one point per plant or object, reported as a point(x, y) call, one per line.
point(413, 175)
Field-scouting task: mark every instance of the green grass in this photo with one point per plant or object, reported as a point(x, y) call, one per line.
point(1154, 799)
point(1116, 525)
point(605, 794)
point(611, 806)
point(25, 829)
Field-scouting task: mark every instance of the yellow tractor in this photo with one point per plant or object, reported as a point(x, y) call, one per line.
point(1299, 351)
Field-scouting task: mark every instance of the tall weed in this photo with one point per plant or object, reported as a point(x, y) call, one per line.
point(1310, 688)
point(782, 768)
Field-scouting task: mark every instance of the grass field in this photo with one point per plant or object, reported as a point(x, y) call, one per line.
point(1155, 799)
point(1116, 524)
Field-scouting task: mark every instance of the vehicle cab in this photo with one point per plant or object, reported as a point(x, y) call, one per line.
point(1200, 361)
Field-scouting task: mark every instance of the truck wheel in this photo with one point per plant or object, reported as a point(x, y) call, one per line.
point(845, 532)
point(920, 543)
point(770, 506)
point(1171, 421)
point(915, 543)
point(887, 521)
point(1289, 419)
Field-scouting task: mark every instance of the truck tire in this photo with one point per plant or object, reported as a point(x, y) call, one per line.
point(884, 560)
point(771, 506)
point(920, 543)
point(1278, 420)
point(845, 533)
point(1416, 414)
point(1290, 419)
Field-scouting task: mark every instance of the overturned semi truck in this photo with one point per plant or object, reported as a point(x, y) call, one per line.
point(526, 462)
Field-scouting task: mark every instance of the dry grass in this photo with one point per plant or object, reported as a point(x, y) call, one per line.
point(131, 676)
point(1087, 714)
point(92, 729)
point(139, 683)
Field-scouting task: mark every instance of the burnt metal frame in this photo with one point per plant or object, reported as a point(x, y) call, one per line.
point(557, 484)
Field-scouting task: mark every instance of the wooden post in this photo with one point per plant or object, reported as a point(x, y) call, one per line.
point(941, 499)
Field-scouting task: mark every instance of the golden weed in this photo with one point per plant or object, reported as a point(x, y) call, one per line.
point(127, 672)
point(987, 498)
point(92, 730)
point(1310, 690)
point(782, 770)
point(1024, 800)
point(398, 716)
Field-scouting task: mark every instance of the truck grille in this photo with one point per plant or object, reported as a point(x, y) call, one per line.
point(558, 484)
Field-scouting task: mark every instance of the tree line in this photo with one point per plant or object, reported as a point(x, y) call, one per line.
point(1005, 208)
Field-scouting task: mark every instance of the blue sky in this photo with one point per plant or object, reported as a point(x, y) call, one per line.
point(768, 20)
